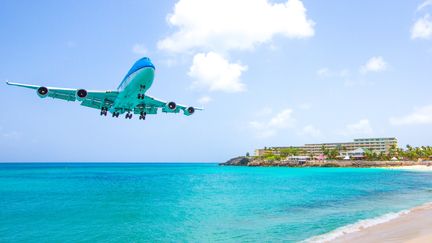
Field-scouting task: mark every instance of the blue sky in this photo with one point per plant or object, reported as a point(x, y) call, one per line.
point(268, 73)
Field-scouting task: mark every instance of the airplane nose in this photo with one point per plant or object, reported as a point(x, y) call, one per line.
point(149, 63)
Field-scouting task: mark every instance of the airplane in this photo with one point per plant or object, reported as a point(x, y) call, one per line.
point(130, 96)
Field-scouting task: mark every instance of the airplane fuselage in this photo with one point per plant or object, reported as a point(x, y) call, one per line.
point(134, 86)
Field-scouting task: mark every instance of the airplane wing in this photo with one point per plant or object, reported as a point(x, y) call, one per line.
point(93, 99)
point(104, 100)
point(169, 107)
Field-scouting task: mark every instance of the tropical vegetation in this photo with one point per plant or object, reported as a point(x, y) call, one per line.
point(407, 153)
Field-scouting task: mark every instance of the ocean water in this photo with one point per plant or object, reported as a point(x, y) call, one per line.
point(103, 202)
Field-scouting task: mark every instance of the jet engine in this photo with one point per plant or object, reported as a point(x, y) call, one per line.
point(42, 92)
point(171, 106)
point(81, 94)
point(189, 111)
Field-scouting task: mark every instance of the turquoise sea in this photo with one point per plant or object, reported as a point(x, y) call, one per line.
point(117, 202)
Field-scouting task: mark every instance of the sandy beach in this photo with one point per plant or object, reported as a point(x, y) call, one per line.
point(411, 226)
point(411, 167)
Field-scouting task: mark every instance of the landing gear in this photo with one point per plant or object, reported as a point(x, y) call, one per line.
point(142, 115)
point(115, 114)
point(142, 87)
point(128, 115)
point(140, 96)
point(104, 111)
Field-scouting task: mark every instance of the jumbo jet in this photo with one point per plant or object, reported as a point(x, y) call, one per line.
point(129, 98)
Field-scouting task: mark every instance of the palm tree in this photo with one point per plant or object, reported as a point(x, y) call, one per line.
point(400, 153)
point(369, 155)
point(383, 156)
point(333, 153)
point(392, 151)
point(409, 147)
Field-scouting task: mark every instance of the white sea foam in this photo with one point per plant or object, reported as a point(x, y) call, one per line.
point(355, 227)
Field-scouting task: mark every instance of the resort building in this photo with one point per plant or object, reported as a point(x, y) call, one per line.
point(261, 152)
point(356, 154)
point(377, 145)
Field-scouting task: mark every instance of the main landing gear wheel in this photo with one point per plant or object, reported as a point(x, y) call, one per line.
point(115, 114)
point(142, 116)
point(140, 96)
point(104, 111)
point(128, 115)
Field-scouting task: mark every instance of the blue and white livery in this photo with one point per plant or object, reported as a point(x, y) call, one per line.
point(129, 98)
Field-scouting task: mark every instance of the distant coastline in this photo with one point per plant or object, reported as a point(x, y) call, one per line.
point(255, 161)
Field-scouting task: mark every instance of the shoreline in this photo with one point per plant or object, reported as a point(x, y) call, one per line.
point(419, 168)
point(411, 225)
point(258, 162)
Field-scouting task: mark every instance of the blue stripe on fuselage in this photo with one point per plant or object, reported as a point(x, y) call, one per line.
point(140, 64)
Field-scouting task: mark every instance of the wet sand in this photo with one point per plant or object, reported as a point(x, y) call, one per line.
point(413, 227)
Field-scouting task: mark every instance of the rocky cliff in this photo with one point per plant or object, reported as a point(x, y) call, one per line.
point(238, 161)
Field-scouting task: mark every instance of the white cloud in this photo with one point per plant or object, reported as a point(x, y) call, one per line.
point(324, 72)
point(215, 73)
point(281, 120)
point(204, 100)
point(374, 64)
point(234, 24)
point(420, 115)
point(422, 28)
point(311, 131)
point(361, 127)
point(139, 49)
point(424, 5)
point(208, 26)
point(355, 78)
